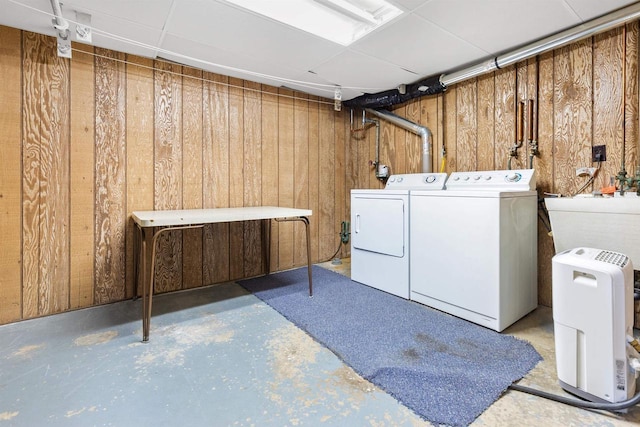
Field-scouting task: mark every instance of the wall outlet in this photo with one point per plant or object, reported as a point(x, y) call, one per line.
point(598, 153)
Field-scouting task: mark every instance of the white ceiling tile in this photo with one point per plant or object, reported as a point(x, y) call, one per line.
point(16, 16)
point(316, 85)
point(233, 64)
point(355, 70)
point(252, 34)
point(419, 46)
point(497, 25)
point(408, 5)
point(124, 35)
point(149, 13)
point(589, 9)
point(440, 36)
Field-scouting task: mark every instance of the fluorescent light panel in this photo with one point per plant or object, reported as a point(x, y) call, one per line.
point(340, 21)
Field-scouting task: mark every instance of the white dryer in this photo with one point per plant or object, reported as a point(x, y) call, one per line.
point(380, 231)
point(474, 247)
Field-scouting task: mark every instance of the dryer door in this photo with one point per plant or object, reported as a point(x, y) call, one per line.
point(378, 224)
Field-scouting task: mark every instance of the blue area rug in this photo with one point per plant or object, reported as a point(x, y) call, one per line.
point(445, 369)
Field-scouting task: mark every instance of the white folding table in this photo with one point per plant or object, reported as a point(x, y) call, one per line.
point(151, 224)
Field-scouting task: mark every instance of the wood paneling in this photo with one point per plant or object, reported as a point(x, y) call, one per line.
point(45, 178)
point(413, 150)
point(140, 149)
point(236, 174)
point(505, 112)
point(270, 167)
point(10, 175)
point(88, 140)
point(285, 175)
point(486, 122)
point(573, 113)
point(192, 99)
point(314, 172)
point(168, 183)
point(631, 133)
point(82, 196)
point(328, 172)
point(631, 123)
point(467, 126)
point(215, 173)
point(110, 175)
point(300, 170)
point(252, 168)
point(31, 92)
point(543, 165)
point(608, 101)
point(450, 130)
point(340, 192)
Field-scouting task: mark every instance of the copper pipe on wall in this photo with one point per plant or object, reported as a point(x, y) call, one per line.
point(513, 151)
point(532, 141)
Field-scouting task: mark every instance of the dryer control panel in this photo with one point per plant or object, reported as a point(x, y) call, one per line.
point(417, 181)
point(504, 180)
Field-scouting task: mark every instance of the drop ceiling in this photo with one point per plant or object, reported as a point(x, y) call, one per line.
point(431, 37)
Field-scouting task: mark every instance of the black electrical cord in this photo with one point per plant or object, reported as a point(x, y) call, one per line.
point(579, 403)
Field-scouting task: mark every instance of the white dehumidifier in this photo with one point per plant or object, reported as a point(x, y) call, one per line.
point(593, 315)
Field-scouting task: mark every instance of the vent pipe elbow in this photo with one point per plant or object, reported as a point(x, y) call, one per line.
point(422, 131)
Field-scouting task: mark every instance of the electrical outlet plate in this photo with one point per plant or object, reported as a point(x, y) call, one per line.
point(598, 153)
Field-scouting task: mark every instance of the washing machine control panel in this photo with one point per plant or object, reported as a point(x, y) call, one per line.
point(509, 180)
point(417, 181)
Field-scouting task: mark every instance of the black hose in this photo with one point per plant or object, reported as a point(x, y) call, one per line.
point(579, 403)
point(336, 253)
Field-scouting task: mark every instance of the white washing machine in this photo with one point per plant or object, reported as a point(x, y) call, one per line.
point(380, 231)
point(474, 248)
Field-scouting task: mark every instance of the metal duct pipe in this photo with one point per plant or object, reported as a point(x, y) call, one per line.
point(59, 23)
point(438, 84)
point(419, 130)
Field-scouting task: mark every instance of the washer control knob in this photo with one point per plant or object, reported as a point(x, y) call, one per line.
point(456, 178)
point(400, 179)
point(430, 179)
point(514, 177)
point(477, 177)
point(392, 179)
point(487, 178)
point(466, 178)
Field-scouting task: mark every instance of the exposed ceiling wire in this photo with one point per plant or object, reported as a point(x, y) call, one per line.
point(202, 79)
point(325, 87)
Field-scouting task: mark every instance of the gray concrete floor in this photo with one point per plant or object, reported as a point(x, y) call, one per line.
point(218, 356)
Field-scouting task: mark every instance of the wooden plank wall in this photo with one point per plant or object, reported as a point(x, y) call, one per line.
point(87, 141)
point(585, 94)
